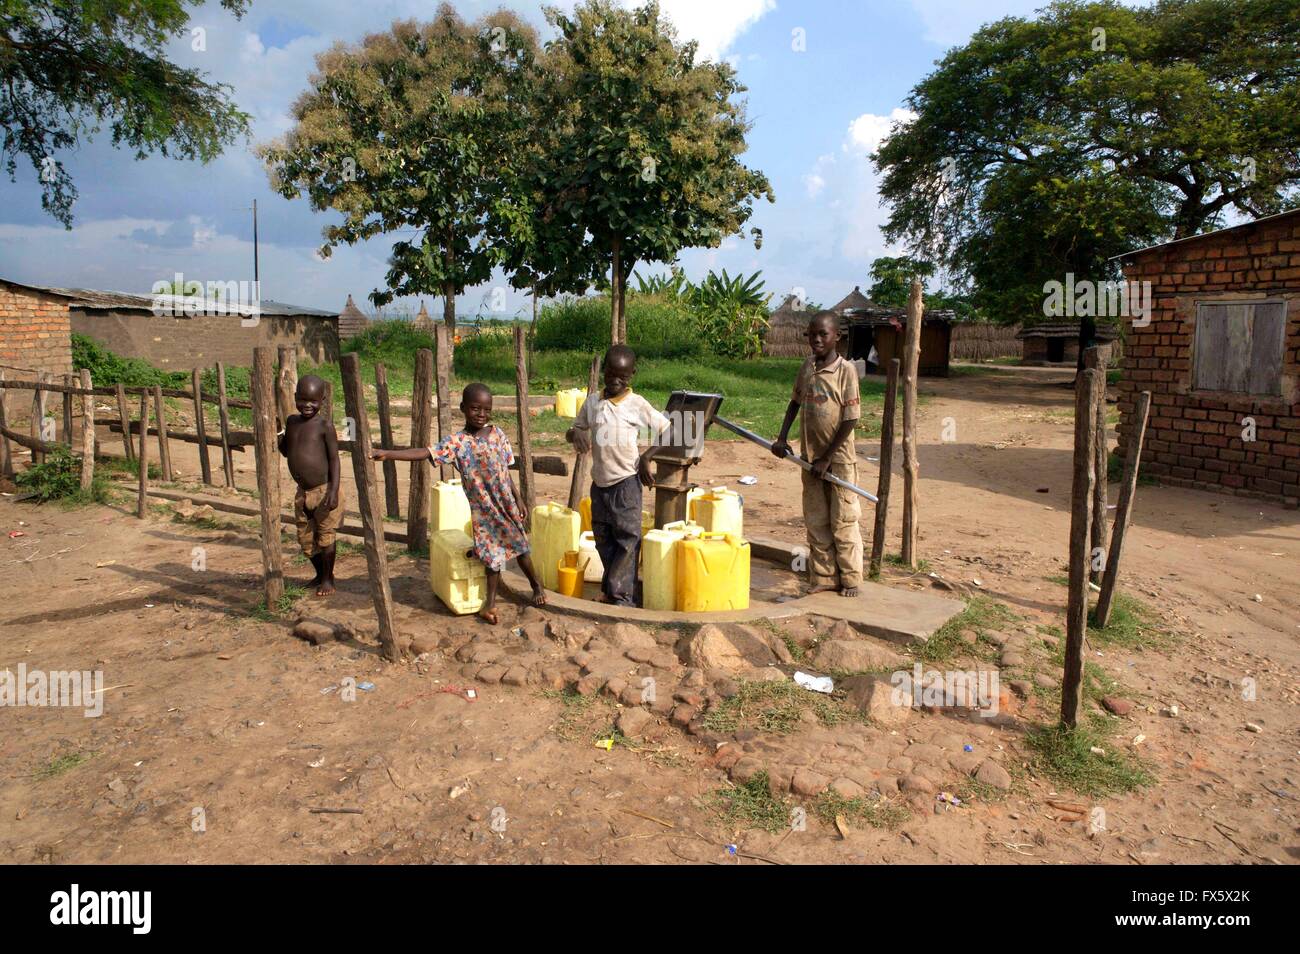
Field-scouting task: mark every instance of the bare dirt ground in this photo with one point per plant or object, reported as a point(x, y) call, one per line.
point(217, 719)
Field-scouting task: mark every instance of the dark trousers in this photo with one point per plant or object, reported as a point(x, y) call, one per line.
point(616, 525)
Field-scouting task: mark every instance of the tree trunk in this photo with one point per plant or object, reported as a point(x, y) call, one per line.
point(615, 293)
point(449, 291)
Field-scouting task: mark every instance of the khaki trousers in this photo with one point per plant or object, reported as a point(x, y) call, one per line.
point(834, 538)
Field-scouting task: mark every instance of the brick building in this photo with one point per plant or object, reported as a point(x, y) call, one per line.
point(1221, 358)
point(131, 326)
point(34, 330)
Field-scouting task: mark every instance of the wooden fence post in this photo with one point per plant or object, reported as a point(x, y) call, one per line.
point(417, 504)
point(38, 416)
point(142, 506)
point(68, 381)
point(886, 466)
point(372, 523)
point(200, 430)
point(524, 452)
point(580, 484)
point(164, 448)
point(391, 507)
point(911, 466)
point(1098, 539)
point(1085, 462)
point(6, 455)
point(287, 381)
point(223, 411)
point(87, 431)
point(1124, 512)
point(268, 473)
point(128, 446)
point(442, 389)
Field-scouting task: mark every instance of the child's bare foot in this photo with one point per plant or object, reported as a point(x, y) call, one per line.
point(314, 582)
point(325, 588)
point(849, 591)
point(539, 596)
point(822, 588)
point(488, 616)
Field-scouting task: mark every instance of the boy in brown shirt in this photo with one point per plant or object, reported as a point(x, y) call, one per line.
point(827, 392)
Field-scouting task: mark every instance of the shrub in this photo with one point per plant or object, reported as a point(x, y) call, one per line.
point(657, 326)
point(59, 478)
point(107, 368)
point(389, 340)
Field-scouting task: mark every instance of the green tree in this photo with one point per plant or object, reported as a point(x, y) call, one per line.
point(411, 130)
point(891, 279)
point(634, 155)
point(1049, 145)
point(68, 68)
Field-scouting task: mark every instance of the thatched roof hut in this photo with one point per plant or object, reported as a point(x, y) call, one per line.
point(352, 321)
point(786, 330)
point(422, 321)
point(855, 301)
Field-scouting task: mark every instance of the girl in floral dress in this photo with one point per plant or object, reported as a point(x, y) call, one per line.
point(482, 454)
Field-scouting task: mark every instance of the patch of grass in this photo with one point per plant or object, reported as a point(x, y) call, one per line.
point(1065, 756)
point(970, 370)
point(60, 764)
point(797, 652)
point(858, 811)
point(750, 805)
point(581, 717)
point(283, 606)
point(775, 707)
point(58, 478)
point(982, 614)
point(896, 559)
point(1132, 625)
point(971, 789)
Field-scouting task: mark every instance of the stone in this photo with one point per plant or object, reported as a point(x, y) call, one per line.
point(969, 636)
point(779, 778)
point(887, 785)
point(633, 722)
point(766, 674)
point(847, 788)
point(727, 756)
point(589, 684)
point(875, 698)
point(633, 695)
point(1044, 680)
point(997, 639)
point(682, 715)
point(901, 764)
point(726, 688)
point(991, 773)
point(711, 649)
point(807, 782)
point(663, 659)
point(515, 676)
point(625, 636)
point(924, 752)
point(1021, 687)
point(581, 658)
point(1010, 659)
point(315, 632)
point(745, 769)
point(614, 686)
point(916, 783)
point(1120, 706)
point(1051, 642)
point(538, 633)
point(693, 679)
point(640, 654)
point(840, 630)
point(424, 644)
point(490, 674)
point(965, 762)
point(856, 655)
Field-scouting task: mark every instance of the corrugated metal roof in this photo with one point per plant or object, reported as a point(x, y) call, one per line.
point(1203, 235)
point(90, 299)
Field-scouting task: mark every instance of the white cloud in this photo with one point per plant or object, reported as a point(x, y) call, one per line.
point(868, 131)
point(714, 24)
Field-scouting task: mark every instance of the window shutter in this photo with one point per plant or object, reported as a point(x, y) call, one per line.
point(1239, 347)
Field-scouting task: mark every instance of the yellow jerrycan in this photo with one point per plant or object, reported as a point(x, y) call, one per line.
point(449, 508)
point(459, 581)
point(569, 401)
point(555, 532)
point(712, 573)
point(659, 549)
point(584, 511)
point(719, 511)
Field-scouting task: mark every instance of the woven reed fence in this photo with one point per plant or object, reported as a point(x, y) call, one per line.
point(974, 341)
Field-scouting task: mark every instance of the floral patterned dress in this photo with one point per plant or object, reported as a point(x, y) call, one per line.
point(483, 460)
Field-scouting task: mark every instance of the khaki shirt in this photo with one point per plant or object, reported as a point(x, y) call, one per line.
point(827, 397)
point(615, 428)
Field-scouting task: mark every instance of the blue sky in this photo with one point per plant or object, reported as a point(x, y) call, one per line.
point(816, 112)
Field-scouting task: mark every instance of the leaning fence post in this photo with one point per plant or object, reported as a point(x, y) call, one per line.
point(142, 503)
point(417, 505)
point(164, 448)
point(391, 507)
point(68, 380)
point(1092, 359)
point(223, 410)
point(128, 447)
point(1124, 512)
point(268, 474)
point(372, 523)
point(886, 467)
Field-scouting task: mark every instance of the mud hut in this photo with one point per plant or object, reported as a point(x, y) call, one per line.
point(422, 321)
point(1057, 342)
point(352, 321)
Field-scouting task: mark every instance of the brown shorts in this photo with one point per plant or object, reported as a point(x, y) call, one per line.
point(316, 533)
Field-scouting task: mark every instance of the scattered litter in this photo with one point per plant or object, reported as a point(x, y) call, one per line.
point(977, 581)
point(148, 606)
point(1172, 712)
point(100, 566)
point(517, 632)
point(606, 744)
point(16, 533)
point(731, 849)
point(1094, 587)
point(318, 763)
point(1258, 598)
point(1139, 739)
point(327, 690)
point(842, 827)
point(469, 695)
point(1097, 750)
point(366, 686)
point(948, 798)
point(815, 683)
point(459, 790)
point(1254, 727)
point(747, 480)
point(968, 748)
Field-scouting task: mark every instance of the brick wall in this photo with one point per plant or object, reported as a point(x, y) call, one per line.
point(199, 341)
point(1194, 438)
point(34, 331)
